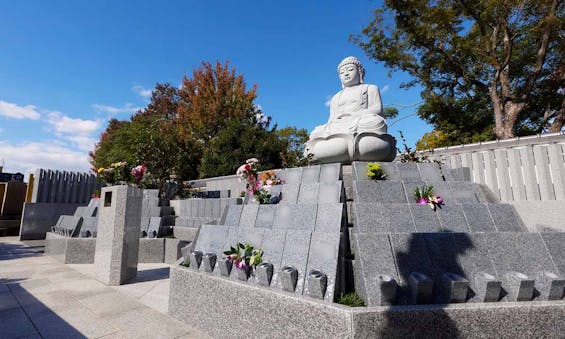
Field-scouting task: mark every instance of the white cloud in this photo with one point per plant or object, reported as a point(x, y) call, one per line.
point(29, 156)
point(18, 112)
point(127, 108)
point(142, 91)
point(385, 88)
point(64, 124)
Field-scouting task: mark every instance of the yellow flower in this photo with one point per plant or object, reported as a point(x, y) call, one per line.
point(100, 170)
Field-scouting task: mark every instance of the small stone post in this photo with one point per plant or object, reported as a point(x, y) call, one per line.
point(117, 245)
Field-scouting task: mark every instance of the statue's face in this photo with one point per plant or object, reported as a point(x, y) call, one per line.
point(349, 75)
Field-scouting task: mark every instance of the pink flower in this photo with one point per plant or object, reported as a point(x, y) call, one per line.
point(241, 265)
point(422, 201)
point(269, 182)
point(439, 200)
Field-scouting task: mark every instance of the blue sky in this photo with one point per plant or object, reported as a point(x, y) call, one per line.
point(67, 67)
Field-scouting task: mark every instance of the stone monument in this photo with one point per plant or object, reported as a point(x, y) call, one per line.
point(356, 129)
point(117, 246)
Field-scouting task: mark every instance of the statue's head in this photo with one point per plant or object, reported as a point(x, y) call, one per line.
point(350, 71)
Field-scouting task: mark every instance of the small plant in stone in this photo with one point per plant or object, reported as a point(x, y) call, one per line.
point(425, 196)
point(375, 171)
point(244, 256)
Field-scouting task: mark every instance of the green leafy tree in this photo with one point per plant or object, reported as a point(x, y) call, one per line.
point(238, 141)
point(294, 140)
point(482, 64)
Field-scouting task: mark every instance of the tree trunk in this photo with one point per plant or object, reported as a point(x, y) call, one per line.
point(558, 121)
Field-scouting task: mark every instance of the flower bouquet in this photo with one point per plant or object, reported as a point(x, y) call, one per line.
point(425, 196)
point(244, 257)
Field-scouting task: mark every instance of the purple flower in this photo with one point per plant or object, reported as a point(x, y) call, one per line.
point(439, 200)
point(229, 257)
point(241, 265)
point(422, 201)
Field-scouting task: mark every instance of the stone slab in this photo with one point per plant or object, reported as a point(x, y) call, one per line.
point(430, 173)
point(409, 172)
point(330, 193)
point(555, 244)
point(369, 269)
point(451, 218)
point(273, 246)
point(398, 218)
point(323, 256)
point(308, 193)
point(297, 217)
point(289, 193)
point(478, 218)
point(291, 175)
point(541, 216)
point(265, 216)
point(295, 254)
point(211, 238)
point(330, 218)
point(173, 250)
point(37, 218)
point(505, 219)
point(370, 218)
point(310, 174)
point(233, 215)
point(425, 218)
point(379, 191)
point(519, 252)
point(151, 250)
point(330, 173)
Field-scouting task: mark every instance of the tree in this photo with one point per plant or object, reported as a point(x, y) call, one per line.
point(294, 141)
point(494, 61)
point(238, 141)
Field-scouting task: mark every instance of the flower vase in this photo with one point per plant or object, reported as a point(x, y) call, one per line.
point(242, 273)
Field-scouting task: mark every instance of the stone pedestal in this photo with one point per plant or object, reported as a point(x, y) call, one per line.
point(117, 244)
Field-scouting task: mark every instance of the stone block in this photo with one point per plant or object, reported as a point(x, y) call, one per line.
point(89, 227)
point(310, 174)
point(291, 175)
point(478, 218)
point(330, 173)
point(505, 219)
point(374, 266)
point(518, 286)
point(421, 288)
point(248, 216)
point(456, 288)
point(225, 266)
point(265, 216)
point(425, 218)
point(330, 218)
point(370, 217)
point(541, 216)
point(398, 218)
point(117, 244)
point(233, 214)
point(289, 193)
point(241, 273)
point(273, 246)
point(264, 273)
point(173, 250)
point(360, 170)
point(295, 254)
point(391, 170)
point(486, 287)
point(151, 250)
point(209, 262)
point(379, 191)
point(555, 244)
point(195, 258)
point(550, 286)
point(208, 207)
point(251, 236)
point(330, 193)
point(317, 283)
point(296, 217)
point(430, 173)
point(323, 257)
point(153, 227)
point(451, 218)
point(289, 278)
point(211, 238)
point(519, 252)
point(409, 172)
point(185, 233)
point(308, 193)
point(460, 173)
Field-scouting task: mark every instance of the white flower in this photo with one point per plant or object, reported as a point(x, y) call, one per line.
point(251, 161)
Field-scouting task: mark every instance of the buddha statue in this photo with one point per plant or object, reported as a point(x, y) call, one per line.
point(356, 130)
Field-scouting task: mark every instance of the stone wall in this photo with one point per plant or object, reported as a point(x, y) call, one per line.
point(521, 169)
point(63, 187)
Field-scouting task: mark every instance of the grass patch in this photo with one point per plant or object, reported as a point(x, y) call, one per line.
point(351, 299)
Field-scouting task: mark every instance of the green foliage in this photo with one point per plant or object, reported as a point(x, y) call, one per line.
point(375, 171)
point(237, 141)
point(410, 155)
point(245, 253)
point(294, 140)
point(390, 112)
point(486, 67)
point(351, 299)
point(423, 192)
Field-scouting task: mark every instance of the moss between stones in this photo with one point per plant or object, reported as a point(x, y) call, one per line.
point(351, 299)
